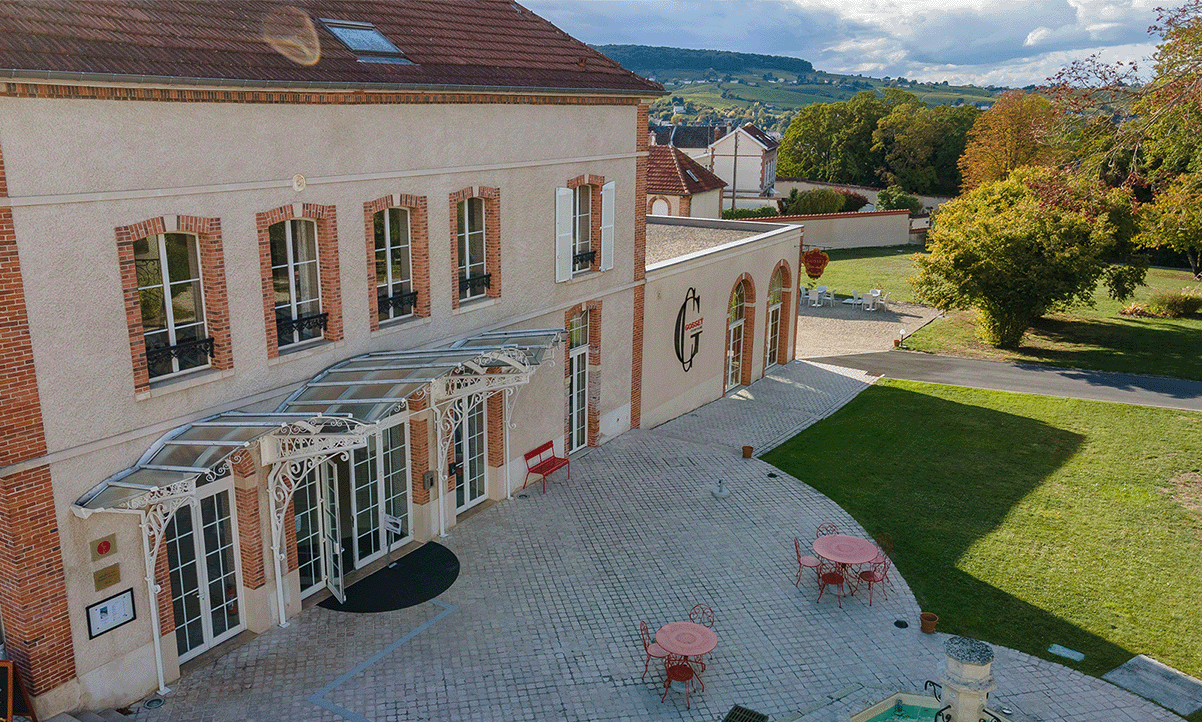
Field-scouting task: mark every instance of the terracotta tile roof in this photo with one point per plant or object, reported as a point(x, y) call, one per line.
point(671, 172)
point(481, 43)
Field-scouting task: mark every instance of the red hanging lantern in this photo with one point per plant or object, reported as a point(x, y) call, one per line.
point(815, 262)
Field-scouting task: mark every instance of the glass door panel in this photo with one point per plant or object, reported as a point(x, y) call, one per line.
point(773, 335)
point(578, 399)
point(331, 532)
point(469, 458)
point(306, 505)
point(734, 354)
point(203, 567)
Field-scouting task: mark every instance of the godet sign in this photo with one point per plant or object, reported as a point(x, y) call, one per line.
point(688, 329)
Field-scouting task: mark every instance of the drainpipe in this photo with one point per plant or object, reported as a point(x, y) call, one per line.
point(505, 430)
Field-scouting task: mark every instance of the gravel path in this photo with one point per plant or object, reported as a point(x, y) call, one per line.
point(844, 329)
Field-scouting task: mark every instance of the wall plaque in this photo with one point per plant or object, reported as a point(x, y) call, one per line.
point(107, 577)
point(103, 547)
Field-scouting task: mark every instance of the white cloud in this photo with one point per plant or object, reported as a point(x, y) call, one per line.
point(1013, 42)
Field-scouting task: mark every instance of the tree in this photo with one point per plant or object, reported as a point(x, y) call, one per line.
point(1019, 248)
point(894, 198)
point(852, 201)
point(1174, 220)
point(1009, 135)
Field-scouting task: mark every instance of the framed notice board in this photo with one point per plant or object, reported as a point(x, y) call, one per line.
point(13, 698)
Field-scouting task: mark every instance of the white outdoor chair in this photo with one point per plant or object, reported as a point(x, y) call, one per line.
point(815, 298)
point(869, 301)
point(883, 304)
point(829, 296)
point(854, 300)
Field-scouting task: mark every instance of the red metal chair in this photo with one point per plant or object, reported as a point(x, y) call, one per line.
point(827, 528)
point(680, 669)
point(703, 615)
point(831, 575)
point(653, 650)
point(804, 562)
point(876, 575)
point(884, 545)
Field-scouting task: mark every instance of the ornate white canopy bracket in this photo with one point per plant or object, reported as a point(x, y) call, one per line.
point(293, 451)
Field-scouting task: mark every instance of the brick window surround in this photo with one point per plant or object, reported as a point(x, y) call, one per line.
point(419, 251)
point(594, 371)
point(784, 350)
point(492, 238)
point(207, 232)
point(326, 219)
point(594, 182)
point(748, 326)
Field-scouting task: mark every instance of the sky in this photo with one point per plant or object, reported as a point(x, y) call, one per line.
point(984, 42)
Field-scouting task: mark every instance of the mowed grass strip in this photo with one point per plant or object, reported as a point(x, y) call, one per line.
point(1026, 520)
point(1097, 338)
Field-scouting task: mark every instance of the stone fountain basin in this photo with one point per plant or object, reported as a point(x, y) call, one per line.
point(915, 707)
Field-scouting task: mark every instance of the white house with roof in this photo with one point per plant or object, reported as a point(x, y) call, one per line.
point(746, 160)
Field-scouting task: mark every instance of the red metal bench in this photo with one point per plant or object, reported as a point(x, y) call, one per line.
point(543, 461)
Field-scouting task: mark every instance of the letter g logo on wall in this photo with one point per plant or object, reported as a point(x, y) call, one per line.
point(688, 329)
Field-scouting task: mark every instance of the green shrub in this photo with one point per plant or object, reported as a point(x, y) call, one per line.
point(814, 202)
point(894, 198)
point(1178, 304)
point(762, 212)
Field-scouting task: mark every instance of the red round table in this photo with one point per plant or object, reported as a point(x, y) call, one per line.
point(686, 639)
point(843, 549)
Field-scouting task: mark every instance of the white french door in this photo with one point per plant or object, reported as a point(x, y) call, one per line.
point(773, 335)
point(470, 440)
point(578, 398)
point(340, 509)
point(203, 562)
point(734, 354)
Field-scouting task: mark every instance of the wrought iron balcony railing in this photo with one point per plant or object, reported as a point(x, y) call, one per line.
point(156, 356)
point(473, 283)
point(402, 303)
point(287, 326)
point(584, 258)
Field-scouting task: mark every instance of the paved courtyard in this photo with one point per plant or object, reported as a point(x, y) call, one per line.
point(542, 623)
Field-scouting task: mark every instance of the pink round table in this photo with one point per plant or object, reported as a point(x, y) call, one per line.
point(843, 549)
point(686, 639)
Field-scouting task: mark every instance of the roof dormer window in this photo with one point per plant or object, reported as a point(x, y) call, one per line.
point(365, 41)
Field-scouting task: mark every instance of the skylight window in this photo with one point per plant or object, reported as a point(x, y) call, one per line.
point(365, 41)
point(693, 176)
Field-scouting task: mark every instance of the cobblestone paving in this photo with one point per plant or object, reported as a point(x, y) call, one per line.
point(543, 621)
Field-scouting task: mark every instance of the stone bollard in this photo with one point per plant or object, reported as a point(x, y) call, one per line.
point(967, 680)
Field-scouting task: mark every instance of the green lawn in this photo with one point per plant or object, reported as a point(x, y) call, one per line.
point(1088, 338)
point(1027, 520)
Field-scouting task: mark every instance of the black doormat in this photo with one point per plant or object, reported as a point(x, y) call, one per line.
point(416, 577)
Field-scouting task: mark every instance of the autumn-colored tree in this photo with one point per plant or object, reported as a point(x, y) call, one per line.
point(1009, 135)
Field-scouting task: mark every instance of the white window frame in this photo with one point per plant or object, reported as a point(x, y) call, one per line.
point(293, 267)
point(775, 297)
point(578, 382)
point(393, 286)
point(164, 282)
point(735, 337)
point(464, 237)
point(567, 239)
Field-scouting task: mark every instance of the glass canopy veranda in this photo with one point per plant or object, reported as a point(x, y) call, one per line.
point(336, 411)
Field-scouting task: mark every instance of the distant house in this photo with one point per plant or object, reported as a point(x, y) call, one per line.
point(746, 160)
point(694, 140)
point(677, 185)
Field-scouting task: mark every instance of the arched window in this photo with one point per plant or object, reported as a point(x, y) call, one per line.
point(734, 337)
point(775, 296)
point(659, 207)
